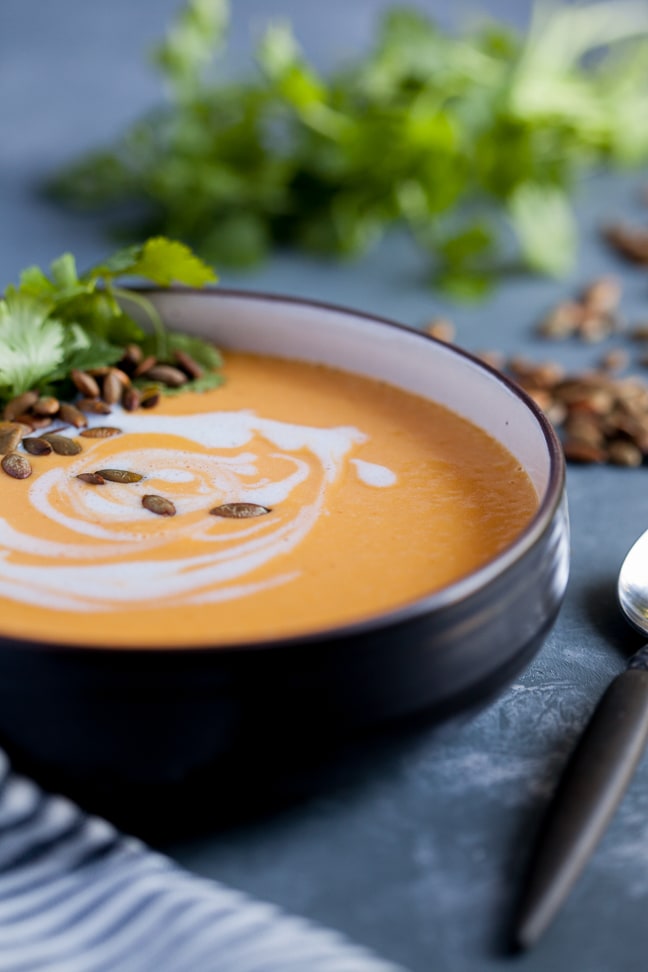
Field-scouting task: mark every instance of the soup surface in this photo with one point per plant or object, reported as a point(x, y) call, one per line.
point(373, 497)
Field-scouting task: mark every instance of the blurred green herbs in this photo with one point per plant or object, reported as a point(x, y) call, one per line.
point(471, 141)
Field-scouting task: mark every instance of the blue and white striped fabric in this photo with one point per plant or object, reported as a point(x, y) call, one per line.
point(78, 896)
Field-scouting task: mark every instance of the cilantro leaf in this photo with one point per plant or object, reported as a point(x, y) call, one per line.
point(166, 261)
point(119, 263)
point(32, 343)
point(35, 283)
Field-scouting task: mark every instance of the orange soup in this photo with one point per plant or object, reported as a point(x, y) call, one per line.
point(293, 498)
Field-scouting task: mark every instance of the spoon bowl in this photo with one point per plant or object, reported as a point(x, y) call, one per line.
point(632, 587)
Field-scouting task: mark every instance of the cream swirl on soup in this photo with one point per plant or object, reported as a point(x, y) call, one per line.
point(105, 551)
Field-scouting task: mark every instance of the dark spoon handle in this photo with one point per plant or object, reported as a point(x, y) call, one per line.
point(589, 791)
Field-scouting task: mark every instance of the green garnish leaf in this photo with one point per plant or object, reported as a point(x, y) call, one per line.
point(166, 261)
point(52, 324)
point(31, 343)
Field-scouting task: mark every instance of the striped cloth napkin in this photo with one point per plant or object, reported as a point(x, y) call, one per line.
point(76, 895)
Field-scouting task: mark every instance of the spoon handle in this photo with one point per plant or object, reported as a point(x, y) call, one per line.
point(594, 780)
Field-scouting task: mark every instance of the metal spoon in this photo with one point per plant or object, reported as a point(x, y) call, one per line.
point(598, 772)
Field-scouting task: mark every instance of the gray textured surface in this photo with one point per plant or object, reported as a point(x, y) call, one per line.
point(420, 856)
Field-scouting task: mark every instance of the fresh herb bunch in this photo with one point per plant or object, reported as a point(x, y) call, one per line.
point(52, 325)
point(457, 137)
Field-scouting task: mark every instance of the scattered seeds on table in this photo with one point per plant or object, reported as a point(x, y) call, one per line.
point(440, 328)
point(616, 360)
point(622, 453)
point(631, 243)
point(591, 317)
point(602, 295)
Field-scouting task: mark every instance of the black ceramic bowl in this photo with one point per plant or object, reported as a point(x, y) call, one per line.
point(126, 730)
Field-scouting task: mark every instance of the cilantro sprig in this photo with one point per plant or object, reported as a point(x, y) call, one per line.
point(460, 138)
point(53, 323)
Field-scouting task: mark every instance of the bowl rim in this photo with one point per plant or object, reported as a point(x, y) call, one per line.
point(443, 598)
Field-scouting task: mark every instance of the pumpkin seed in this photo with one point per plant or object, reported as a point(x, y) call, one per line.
point(240, 511)
point(61, 445)
point(34, 421)
point(85, 383)
point(10, 435)
point(131, 399)
point(71, 415)
point(615, 360)
point(93, 478)
point(577, 451)
point(19, 404)
point(603, 295)
point(187, 363)
point(168, 375)
point(36, 446)
point(94, 405)
point(631, 243)
point(119, 475)
point(158, 504)
point(132, 356)
point(150, 400)
point(16, 466)
point(144, 366)
point(46, 405)
point(440, 328)
point(100, 432)
point(111, 390)
point(622, 453)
